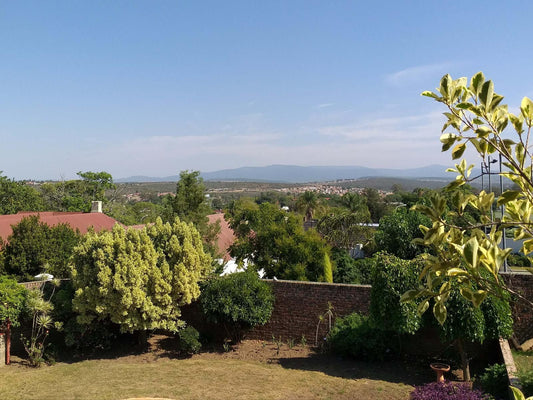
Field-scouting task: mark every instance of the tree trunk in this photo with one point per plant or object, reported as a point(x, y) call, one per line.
point(142, 337)
point(465, 365)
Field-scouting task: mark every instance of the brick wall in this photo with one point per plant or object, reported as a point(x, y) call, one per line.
point(297, 308)
point(522, 312)
point(33, 284)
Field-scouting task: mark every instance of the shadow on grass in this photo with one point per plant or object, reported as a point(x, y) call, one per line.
point(409, 372)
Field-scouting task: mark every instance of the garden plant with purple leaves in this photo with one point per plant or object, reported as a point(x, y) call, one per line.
point(447, 391)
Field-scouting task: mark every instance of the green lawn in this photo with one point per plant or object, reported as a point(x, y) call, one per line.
point(195, 378)
point(523, 359)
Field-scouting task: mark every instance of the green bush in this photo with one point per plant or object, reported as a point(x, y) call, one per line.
point(494, 381)
point(345, 270)
point(189, 340)
point(80, 338)
point(237, 301)
point(354, 336)
point(12, 300)
point(391, 278)
point(526, 380)
point(518, 260)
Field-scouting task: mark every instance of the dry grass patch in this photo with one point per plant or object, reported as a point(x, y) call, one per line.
point(221, 376)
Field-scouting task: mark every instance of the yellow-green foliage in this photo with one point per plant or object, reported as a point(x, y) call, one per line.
point(328, 270)
point(139, 278)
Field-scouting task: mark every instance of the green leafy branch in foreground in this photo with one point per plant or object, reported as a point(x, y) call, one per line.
point(467, 255)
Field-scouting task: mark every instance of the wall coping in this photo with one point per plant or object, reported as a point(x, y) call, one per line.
point(510, 366)
point(315, 283)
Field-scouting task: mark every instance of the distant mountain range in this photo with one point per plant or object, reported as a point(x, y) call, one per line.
point(298, 174)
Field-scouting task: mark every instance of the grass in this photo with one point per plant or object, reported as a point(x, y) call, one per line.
point(187, 379)
point(523, 359)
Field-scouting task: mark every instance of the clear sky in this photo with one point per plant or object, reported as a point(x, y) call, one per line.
point(155, 87)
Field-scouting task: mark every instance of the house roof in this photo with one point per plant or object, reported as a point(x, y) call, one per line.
point(226, 237)
point(76, 220)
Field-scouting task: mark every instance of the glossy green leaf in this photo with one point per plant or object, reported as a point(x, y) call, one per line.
point(483, 131)
point(445, 84)
point(422, 307)
point(478, 296)
point(439, 311)
point(470, 252)
point(486, 94)
point(526, 107)
point(507, 196)
point(476, 82)
point(429, 93)
point(409, 295)
point(458, 151)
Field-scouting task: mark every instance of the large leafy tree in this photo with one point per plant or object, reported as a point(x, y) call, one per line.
point(346, 226)
point(34, 247)
point(275, 240)
point(396, 232)
point(138, 279)
point(77, 194)
point(375, 203)
point(470, 254)
point(190, 205)
point(308, 203)
point(392, 276)
point(17, 196)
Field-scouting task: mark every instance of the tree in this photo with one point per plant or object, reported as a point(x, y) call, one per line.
point(307, 203)
point(391, 277)
point(375, 204)
point(468, 324)
point(34, 248)
point(77, 195)
point(12, 301)
point(397, 231)
point(275, 240)
point(138, 213)
point(347, 226)
point(466, 255)
point(190, 205)
point(138, 279)
point(17, 196)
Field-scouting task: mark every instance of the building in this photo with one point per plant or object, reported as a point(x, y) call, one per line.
point(76, 220)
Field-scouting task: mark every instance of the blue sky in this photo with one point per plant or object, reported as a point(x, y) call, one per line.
point(155, 87)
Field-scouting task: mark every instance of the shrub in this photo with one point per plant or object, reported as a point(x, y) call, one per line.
point(12, 298)
point(495, 381)
point(354, 336)
point(238, 301)
point(526, 380)
point(346, 269)
point(391, 278)
point(446, 391)
point(80, 338)
point(189, 340)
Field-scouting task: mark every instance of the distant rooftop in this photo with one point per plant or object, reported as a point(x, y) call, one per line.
point(76, 220)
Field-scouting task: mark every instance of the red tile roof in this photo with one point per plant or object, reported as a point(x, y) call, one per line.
point(76, 220)
point(226, 237)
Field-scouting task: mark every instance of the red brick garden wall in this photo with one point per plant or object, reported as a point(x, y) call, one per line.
point(297, 308)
